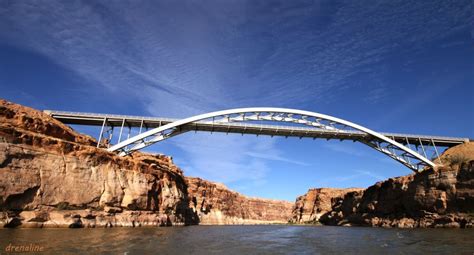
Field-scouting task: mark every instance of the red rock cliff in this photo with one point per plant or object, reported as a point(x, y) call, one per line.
point(440, 197)
point(52, 176)
point(215, 204)
point(317, 202)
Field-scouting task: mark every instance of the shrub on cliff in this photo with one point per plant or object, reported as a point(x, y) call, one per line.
point(456, 159)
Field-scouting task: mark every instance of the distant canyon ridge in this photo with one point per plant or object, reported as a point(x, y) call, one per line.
point(52, 176)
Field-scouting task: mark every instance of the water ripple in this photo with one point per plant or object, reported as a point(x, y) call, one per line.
point(243, 240)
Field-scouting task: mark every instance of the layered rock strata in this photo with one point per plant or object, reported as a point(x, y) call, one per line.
point(440, 197)
point(311, 206)
point(214, 204)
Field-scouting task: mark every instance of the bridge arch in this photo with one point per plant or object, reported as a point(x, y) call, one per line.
point(318, 121)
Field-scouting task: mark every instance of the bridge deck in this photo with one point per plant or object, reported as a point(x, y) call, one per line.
point(97, 119)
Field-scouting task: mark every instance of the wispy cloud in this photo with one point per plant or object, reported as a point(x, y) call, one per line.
point(223, 158)
point(344, 148)
point(377, 93)
point(231, 158)
point(269, 156)
point(360, 174)
point(199, 57)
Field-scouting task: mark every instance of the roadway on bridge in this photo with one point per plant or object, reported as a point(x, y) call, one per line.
point(97, 119)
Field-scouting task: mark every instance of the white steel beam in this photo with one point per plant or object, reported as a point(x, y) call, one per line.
point(270, 114)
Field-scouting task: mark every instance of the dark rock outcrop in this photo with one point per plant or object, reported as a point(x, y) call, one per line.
point(317, 202)
point(440, 197)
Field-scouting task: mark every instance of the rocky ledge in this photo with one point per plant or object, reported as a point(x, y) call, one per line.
point(440, 197)
point(52, 176)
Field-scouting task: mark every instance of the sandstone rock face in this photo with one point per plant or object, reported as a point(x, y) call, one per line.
point(315, 203)
point(44, 177)
point(51, 176)
point(215, 204)
point(441, 197)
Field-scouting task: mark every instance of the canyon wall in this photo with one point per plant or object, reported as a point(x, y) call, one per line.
point(440, 197)
point(214, 203)
point(51, 176)
point(311, 206)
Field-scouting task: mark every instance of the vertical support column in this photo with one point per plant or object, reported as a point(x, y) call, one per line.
point(141, 126)
point(121, 130)
point(129, 131)
point(212, 128)
point(111, 135)
point(436, 150)
point(422, 147)
point(393, 149)
point(408, 144)
point(101, 132)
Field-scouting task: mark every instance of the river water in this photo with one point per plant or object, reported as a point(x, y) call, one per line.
point(270, 239)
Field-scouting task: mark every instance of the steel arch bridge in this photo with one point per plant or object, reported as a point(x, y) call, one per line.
point(324, 124)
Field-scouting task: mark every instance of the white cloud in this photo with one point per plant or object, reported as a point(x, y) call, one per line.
point(360, 174)
point(200, 59)
point(224, 158)
point(346, 148)
point(270, 156)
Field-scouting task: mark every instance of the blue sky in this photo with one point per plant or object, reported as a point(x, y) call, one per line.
point(394, 66)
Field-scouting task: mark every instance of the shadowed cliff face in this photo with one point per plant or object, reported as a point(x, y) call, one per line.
point(441, 197)
point(51, 176)
point(317, 202)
